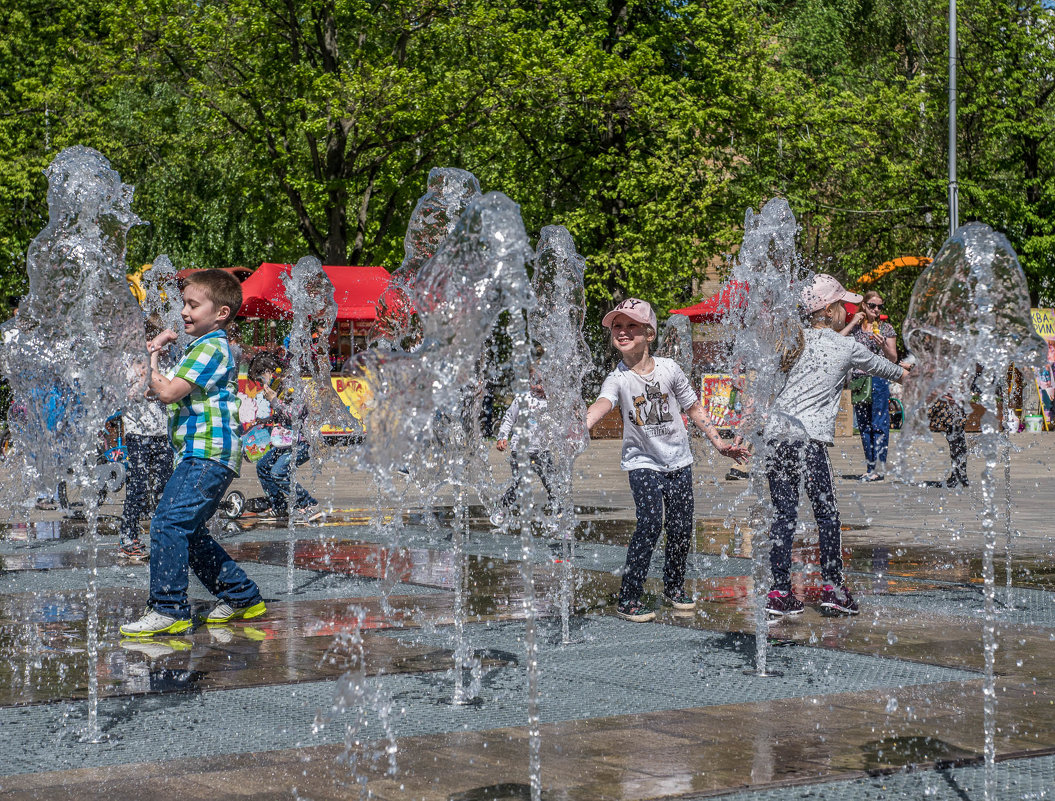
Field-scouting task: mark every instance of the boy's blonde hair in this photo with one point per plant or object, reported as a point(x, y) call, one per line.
point(222, 288)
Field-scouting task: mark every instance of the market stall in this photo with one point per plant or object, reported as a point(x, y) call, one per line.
point(265, 307)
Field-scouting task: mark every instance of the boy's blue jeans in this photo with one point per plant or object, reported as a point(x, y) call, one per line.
point(655, 493)
point(273, 470)
point(179, 538)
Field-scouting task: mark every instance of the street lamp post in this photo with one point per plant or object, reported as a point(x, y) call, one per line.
point(954, 190)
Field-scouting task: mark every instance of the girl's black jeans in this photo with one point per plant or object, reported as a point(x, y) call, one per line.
point(787, 465)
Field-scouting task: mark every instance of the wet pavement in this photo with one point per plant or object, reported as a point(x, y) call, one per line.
point(343, 688)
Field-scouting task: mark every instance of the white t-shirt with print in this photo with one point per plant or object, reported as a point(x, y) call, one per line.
point(654, 435)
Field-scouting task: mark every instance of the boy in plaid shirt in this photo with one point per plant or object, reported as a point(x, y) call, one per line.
point(202, 407)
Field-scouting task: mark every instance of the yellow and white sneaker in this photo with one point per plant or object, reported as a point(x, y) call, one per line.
point(153, 623)
point(224, 612)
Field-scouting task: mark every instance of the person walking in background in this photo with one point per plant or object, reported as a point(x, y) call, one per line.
point(652, 392)
point(534, 405)
point(871, 393)
point(275, 468)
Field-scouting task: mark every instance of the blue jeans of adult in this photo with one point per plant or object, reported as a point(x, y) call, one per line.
point(656, 493)
point(274, 470)
point(873, 421)
point(179, 539)
point(149, 470)
point(789, 463)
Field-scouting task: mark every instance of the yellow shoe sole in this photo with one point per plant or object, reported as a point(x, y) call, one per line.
point(245, 613)
point(178, 627)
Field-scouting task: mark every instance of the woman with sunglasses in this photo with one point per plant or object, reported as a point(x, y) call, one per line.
point(873, 409)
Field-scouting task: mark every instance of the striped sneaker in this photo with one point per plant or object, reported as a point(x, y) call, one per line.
point(224, 612)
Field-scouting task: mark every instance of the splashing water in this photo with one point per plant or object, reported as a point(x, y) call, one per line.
point(556, 325)
point(416, 422)
point(766, 282)
point(163, 298)
point(434, 218)
point(313, 403)
point(676, 342)
point(968, 319)
point(424, 420)
point(75, 353)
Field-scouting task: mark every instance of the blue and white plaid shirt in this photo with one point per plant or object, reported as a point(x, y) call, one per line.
point(204, 423)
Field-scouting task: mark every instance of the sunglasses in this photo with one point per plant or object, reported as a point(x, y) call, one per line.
point(874, 305)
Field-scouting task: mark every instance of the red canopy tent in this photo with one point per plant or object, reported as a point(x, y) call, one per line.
point(717, 305)
point(241, 273)
point(356, 290)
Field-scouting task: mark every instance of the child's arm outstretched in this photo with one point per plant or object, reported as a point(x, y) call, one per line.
point(702, 421)
point(598, 409)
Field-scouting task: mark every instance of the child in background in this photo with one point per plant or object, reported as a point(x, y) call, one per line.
point(652, 392)
point(534, 405)
point(150, 459)
point(203, 410)
point(799, 432)
point(275, 466)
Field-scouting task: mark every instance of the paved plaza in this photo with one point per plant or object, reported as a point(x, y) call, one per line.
point(343, 689)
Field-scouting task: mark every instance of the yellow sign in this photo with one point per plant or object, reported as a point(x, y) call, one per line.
point(1044, 322)
point(355, 393)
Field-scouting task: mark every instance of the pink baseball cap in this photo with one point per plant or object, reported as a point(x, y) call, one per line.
point(637, 310)
point(825, 290)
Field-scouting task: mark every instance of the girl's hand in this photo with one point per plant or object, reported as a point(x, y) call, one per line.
point(269, 393)
point(737, 453)
point(858, 318)
point(502, 444)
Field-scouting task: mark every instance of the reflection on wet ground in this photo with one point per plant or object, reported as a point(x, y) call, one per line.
point(43, 637)
point(920, 607)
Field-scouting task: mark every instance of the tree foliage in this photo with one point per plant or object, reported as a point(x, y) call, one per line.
point(264, 129)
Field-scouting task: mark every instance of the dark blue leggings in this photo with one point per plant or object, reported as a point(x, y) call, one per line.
point(788, 463)
point(655, 492)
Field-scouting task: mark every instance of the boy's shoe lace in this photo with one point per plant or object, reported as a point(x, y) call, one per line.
point(153, 622)
point(679, 600)
point(224, 612)
point(634, 611)
point(838, 601)
point(780, 604)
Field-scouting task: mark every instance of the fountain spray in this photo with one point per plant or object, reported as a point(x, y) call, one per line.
point(77, 329)
point(967, 320)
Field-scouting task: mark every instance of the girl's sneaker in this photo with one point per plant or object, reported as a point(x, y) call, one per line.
point(634, 611)
point(780, 604)
point(679, 600)
point(838, 601)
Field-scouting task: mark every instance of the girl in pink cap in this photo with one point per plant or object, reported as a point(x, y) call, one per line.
point(798, 432)
point(652, 392)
